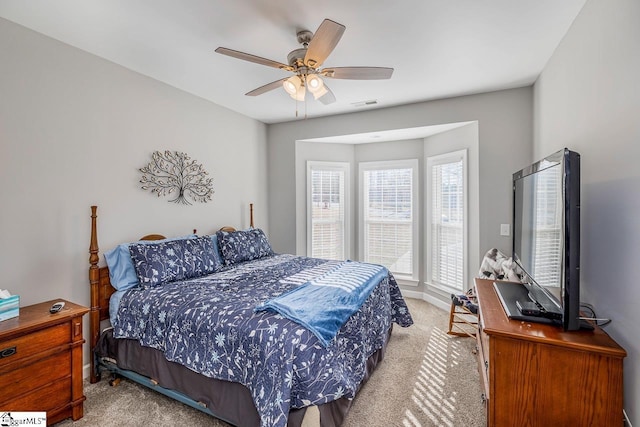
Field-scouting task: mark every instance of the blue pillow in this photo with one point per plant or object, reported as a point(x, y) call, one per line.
point(169, 261)
point(243, 245)
point(216, 250)
point(122, 274)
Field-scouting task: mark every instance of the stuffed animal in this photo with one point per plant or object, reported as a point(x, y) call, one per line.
point(497, 266)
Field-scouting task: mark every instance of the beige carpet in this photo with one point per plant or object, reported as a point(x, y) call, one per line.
point(428, 378)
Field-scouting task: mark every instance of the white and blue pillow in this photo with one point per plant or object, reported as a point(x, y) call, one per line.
point(223, 248)
point(122, 273)
point(169, 261)
point(243, 245)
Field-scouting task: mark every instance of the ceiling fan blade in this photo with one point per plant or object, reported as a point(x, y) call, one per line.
point(323, 42)
point(266, 88)
point(358, 73)
point(253, 58)
point(327, 98)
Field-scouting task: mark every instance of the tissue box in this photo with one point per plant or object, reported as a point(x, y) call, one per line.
point(9, 307)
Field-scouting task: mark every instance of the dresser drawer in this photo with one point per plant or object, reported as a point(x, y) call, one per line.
point(483, 363)
point(30, 377)
point(34, 343)
point(47, 398)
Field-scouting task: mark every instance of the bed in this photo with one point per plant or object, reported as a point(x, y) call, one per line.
point(238, 340)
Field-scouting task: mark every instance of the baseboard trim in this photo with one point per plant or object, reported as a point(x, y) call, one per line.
point(428, 298)
point(446, 306)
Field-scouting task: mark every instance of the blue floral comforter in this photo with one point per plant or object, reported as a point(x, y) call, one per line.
point(208, 324)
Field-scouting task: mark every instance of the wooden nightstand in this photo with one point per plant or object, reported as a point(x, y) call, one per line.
point(41, 361)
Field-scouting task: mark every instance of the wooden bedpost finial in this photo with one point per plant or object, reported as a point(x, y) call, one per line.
point(251, 215)
point(93, 245)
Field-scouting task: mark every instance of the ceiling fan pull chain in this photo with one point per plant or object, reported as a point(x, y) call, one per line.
point(304, 99)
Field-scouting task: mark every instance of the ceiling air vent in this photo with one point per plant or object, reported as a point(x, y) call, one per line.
point(365, 103)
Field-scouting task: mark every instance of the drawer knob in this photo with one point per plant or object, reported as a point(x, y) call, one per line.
point(8, 352)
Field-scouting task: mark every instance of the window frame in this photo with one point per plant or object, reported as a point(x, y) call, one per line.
point(344, 167)
point(445, 158)
point(414, 165)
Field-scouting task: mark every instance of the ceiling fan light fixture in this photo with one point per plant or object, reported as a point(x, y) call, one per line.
point(299, 96)
point(292, 85)
point(315, 84)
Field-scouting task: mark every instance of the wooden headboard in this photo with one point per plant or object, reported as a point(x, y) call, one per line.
point(100, 284)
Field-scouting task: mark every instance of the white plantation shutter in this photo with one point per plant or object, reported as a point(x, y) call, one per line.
point(326, 210)
point(446, 219)
point(388, 193)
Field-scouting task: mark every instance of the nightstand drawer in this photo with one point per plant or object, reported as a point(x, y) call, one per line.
point(37, 342)
point(30, 377)
point(47, 398)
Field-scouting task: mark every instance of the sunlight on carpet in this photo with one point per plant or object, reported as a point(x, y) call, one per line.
point(429, 394)
point(427, 379)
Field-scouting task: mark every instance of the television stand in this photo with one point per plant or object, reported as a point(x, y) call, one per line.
point(538, 374)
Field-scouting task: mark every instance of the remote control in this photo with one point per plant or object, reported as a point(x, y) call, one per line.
point(528, 308)
point(56, 307)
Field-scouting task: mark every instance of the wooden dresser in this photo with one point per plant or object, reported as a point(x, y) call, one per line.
point(539, 375)
point(41, 361)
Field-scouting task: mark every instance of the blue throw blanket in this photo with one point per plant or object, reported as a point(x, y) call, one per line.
point(324, 304)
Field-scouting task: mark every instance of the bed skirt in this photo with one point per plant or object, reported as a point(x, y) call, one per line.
point(229, 401)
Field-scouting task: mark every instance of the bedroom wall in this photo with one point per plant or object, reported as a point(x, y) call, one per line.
point(74, 129)
point(587, 99)
point(504, 132)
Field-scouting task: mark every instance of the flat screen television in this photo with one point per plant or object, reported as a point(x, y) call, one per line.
point(546, 241)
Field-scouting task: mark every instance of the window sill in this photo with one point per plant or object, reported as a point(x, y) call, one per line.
point(442, 289)
point(407, 281)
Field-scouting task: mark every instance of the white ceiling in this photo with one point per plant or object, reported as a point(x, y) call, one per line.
point(438, 48)
point(388, 135)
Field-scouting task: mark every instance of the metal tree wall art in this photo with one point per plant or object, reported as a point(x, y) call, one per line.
point(173, 171)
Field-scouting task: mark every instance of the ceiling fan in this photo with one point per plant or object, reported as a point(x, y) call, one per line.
point(305, 65)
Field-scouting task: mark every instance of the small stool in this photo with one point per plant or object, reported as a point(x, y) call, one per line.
point(463, 316)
